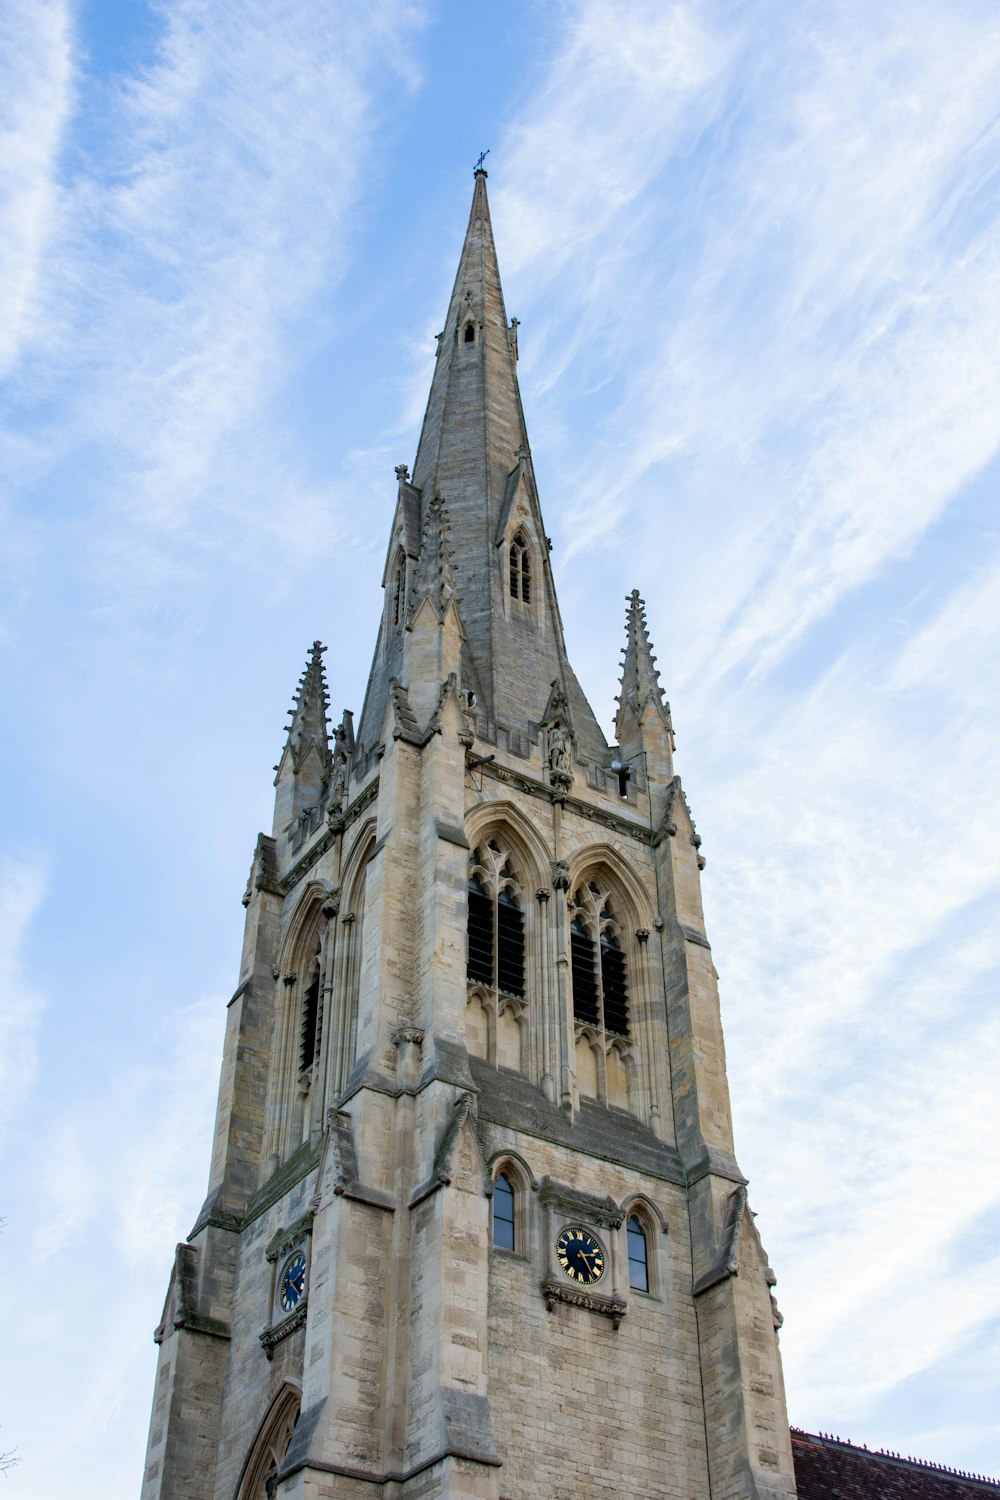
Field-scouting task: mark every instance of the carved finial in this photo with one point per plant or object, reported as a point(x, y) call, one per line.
point(403, 471)
point(433, 577)
point(307, 725)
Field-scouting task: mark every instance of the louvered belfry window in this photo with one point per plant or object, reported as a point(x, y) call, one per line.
point(309, 1035)
point(585, 998)
point(510, 944)
point(496, 922)
point(600, 990)
point(613, 984)
point(480, 932)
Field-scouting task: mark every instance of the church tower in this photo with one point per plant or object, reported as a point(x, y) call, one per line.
point(474, 1227)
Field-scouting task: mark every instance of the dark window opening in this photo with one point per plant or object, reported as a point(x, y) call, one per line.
point(398, 593)
point(510, 945)
point(638, 1259)
point(503, 1213)
point(310, 1022)
point(584, 976)
point(520, 570)
point(480, 956)
point(613, 984)
point(470, 333)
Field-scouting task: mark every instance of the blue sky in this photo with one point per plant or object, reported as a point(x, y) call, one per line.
point(755, 252)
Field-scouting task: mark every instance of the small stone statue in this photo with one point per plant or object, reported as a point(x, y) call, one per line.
point(558, 751)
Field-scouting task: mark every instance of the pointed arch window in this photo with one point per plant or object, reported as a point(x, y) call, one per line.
point(638, 1255)
point(470, 333)
point(397, 598)
point(597, 963)
point(309, 1030)
point(504, 1235)
point(496, 922)
point(520, 569)
point(263, 1465)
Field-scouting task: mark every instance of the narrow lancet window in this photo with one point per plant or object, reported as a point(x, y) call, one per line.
point(503, 1213)
point(600, 988)
point(638, 1256)
point(470, 333)
point(613, 984)
point(398, 592)
point(585, 1007)
point(510, 944)
point(520, 569)
point(480, 961)
point(309, 1035)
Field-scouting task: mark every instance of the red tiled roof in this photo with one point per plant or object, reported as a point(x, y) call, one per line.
point(829, 1469)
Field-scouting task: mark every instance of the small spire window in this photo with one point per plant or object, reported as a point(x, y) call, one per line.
point(503, 1213)
point(398, 596)
point(470, 333)
point(520, 569)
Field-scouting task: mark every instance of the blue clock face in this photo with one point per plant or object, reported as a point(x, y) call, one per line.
point(293, 1282)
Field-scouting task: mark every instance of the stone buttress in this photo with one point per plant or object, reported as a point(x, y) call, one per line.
point(474, 1227)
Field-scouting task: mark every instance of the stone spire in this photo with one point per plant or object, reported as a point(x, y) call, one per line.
point(305, 761)
point(462, 434)
point(474, 455)
point(642, 723)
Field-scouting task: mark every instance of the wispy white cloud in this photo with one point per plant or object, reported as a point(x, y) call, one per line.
point(36, 93)
point(22, 890)
point(855, 877)
point(119, 1177)
point(812, 357)
point(208, 227)
point(787, 357)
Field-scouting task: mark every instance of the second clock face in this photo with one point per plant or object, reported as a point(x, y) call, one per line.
point(580, 1256)
point(293, 1282)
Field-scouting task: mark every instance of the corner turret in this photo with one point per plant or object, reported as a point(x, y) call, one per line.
point(642, 724)
point(303, 771)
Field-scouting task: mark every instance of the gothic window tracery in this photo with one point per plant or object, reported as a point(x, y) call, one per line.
point(495, 956)
point(496, 922)
point(263, 1466)
point(604, 1052)
point(520, 569)
point(600, 986)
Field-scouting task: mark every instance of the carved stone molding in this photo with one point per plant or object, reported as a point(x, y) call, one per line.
point(408, 1034)
point(272, 1337)
point(555, 1291)
point(575, 1204)
point(285, 1240)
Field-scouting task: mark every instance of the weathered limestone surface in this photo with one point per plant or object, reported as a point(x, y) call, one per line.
point(372, 1090)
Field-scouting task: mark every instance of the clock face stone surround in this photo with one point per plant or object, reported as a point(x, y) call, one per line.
point(580, 1255)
